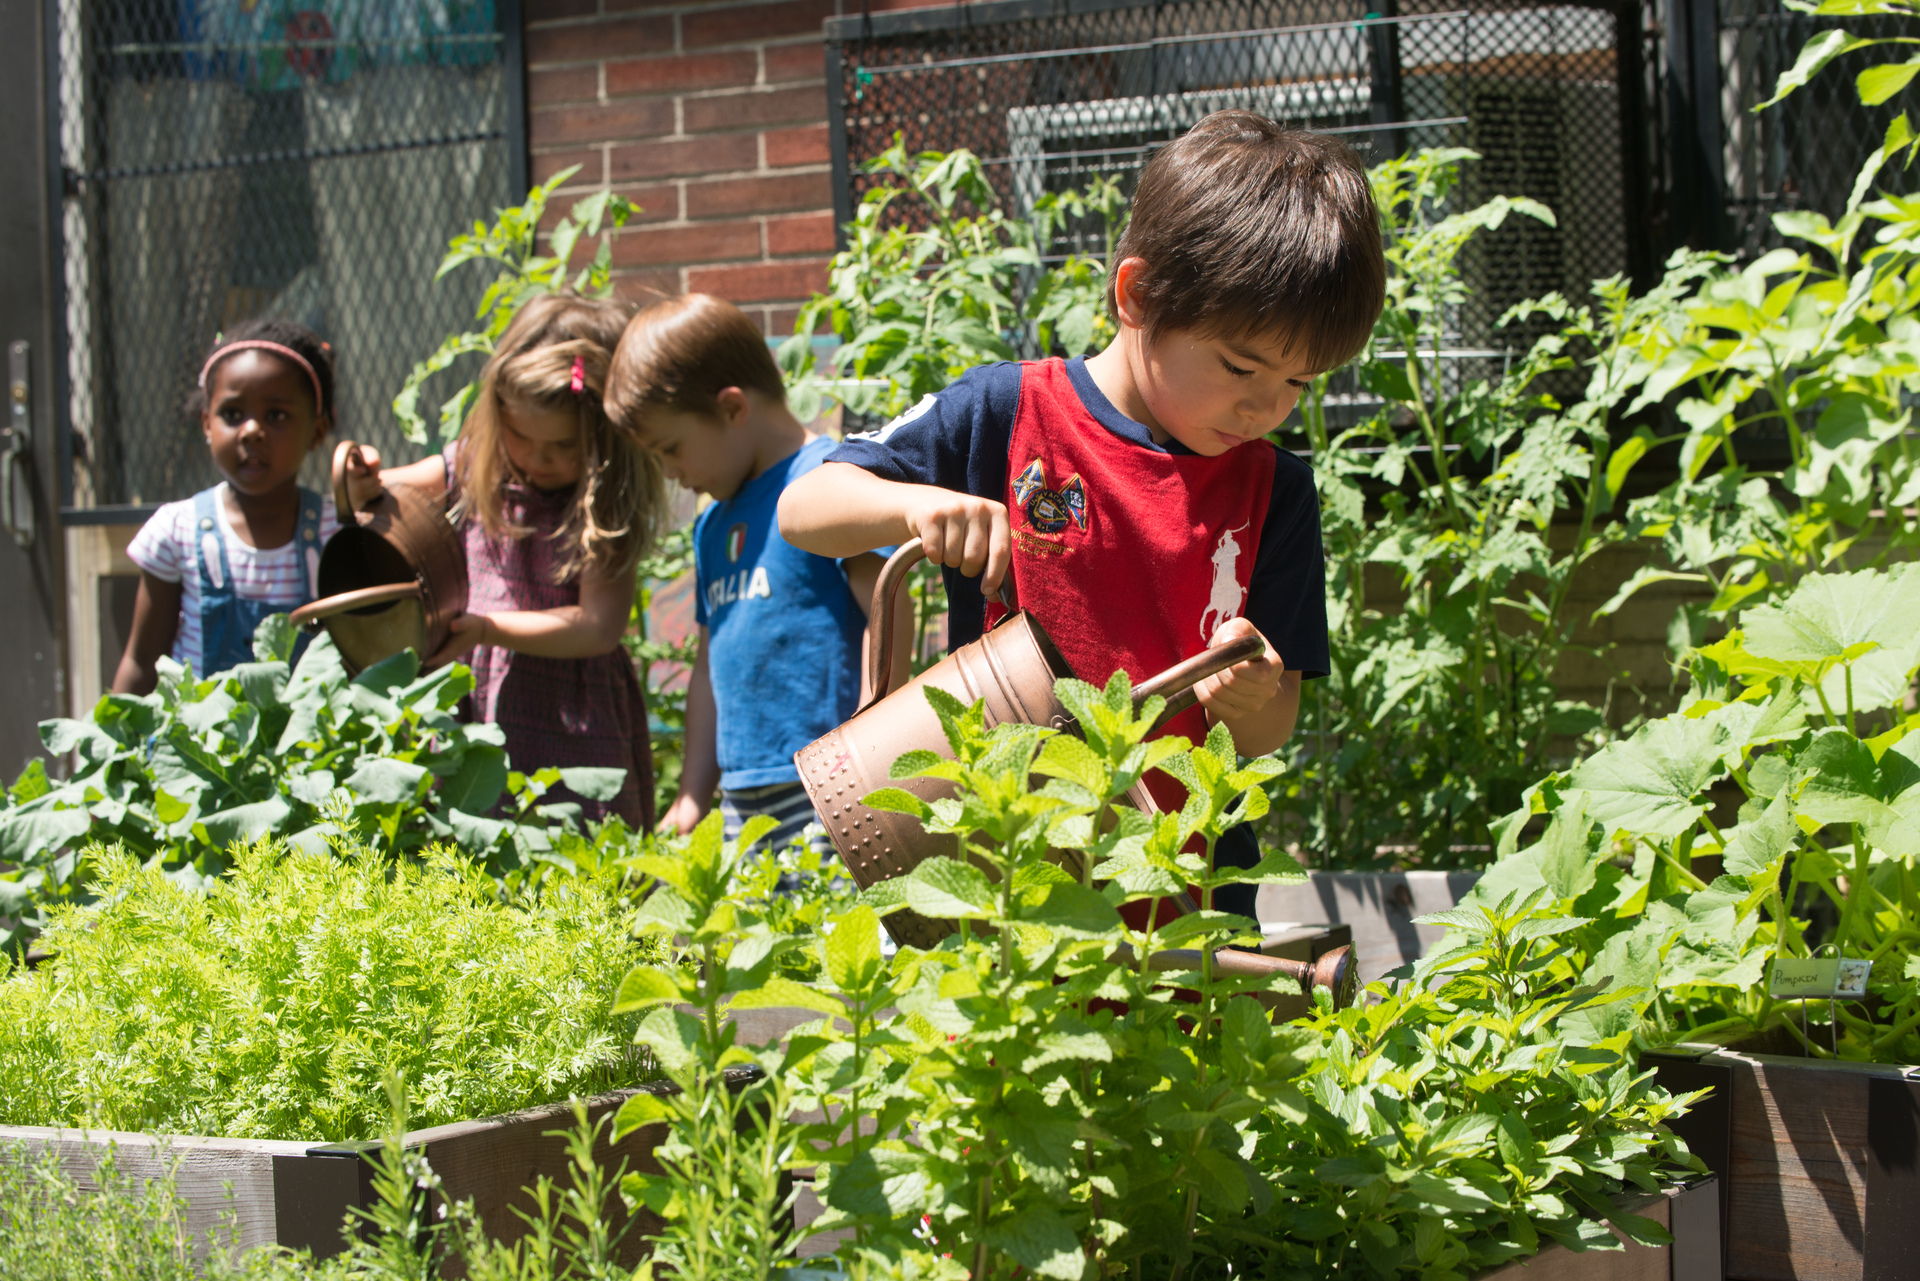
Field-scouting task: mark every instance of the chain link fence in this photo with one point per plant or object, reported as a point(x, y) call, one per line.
point(1805, 152)
point(1049, 98)
point(227, 159)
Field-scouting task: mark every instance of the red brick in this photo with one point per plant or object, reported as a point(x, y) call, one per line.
point(592, 167)
point(544, 10)
point(742, 23)
point(682, 71)
point(803, 61)
point(630, 118)
point(804, 234)
point(563, 84)
point(644, 160)
point(760, 281)
point(803, 103)
point(657, 204)
point(703, 242)
point(643, 287)
point(804, 146)
point(591, 41)
point(780, 322)
point(779, 193)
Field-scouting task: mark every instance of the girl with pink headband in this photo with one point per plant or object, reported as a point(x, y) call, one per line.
point(214, 565)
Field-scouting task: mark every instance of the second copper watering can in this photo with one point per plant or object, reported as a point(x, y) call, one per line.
point(394, 577)
point(1012, 669)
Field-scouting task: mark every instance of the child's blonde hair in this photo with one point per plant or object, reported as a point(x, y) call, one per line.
point(620, 505)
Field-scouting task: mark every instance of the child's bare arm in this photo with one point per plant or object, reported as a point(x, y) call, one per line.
point(156, 618)
point(700, 767)
point(838, 509)
point(1258, 700)
point(587, 630)
point(364, 483)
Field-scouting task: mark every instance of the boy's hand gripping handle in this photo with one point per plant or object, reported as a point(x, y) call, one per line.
point(1176, 684)
point(880, 614)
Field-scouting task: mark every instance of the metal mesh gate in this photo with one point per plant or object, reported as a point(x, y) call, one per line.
point(1804, 152)
point(1048, 94)
point(225, 159)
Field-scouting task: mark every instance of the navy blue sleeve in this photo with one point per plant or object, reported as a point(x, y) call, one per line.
point(1287, 600)
point(956, 439)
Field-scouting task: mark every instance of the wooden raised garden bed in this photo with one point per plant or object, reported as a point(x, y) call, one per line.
point(1690, 1213)
point(1376, 908)
point(1819, 1161)
point(298, 1194)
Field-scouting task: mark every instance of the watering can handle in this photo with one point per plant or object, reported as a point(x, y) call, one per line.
point(347, 451)
point(310, 614)
point(880, 617)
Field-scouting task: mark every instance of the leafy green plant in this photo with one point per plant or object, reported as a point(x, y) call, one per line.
point(1819, 347)
point(178, 775)
point(1032, 1097)
point(271, 1003)
point(1439, 712)
point(720, 1189)
point(113, 1228)
point(1464, 1116)
point(1802, 708)
point(1874, 85)
point(922, 295)
point(513, 243)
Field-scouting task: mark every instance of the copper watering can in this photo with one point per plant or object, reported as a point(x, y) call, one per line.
point(394, 577)
point(1011, 668)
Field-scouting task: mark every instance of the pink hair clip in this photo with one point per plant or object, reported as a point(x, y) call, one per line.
point(579, 375)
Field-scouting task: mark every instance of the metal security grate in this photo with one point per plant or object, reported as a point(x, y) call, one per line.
point(226, 159)
point(1049, 94)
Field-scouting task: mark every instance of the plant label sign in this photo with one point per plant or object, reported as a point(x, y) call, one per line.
point(1832, 978)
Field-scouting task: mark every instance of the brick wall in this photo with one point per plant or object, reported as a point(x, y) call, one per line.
point(712, 117)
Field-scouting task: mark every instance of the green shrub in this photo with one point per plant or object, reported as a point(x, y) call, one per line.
point(1802, 708)
point(1052, 1110)
point(179, 774)
point(271, 1004)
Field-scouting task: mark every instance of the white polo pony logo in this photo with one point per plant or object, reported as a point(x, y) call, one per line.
point(1224, 602)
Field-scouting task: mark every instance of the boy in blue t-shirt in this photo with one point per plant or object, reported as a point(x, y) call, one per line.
point(781, 630)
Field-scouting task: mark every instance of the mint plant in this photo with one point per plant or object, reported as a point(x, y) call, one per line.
point(1030, 1097)
point(1459, 1119)
point(733, 1136)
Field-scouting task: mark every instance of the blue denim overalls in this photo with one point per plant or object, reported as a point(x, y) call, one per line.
point(227, 621)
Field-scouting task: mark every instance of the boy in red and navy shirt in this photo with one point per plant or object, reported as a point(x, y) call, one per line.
point(1133, 495)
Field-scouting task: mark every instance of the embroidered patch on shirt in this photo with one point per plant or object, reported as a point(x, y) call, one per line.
point(1049, 510)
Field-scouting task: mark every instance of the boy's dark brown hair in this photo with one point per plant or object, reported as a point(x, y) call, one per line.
point(682, 352)
point(1248, 229)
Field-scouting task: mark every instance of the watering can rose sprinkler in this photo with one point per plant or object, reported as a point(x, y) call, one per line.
point(1011, 670)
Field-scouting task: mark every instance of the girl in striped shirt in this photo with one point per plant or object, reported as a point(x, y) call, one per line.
point(213, 566)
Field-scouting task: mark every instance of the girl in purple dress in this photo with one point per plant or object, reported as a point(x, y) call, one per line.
point(556, 505)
